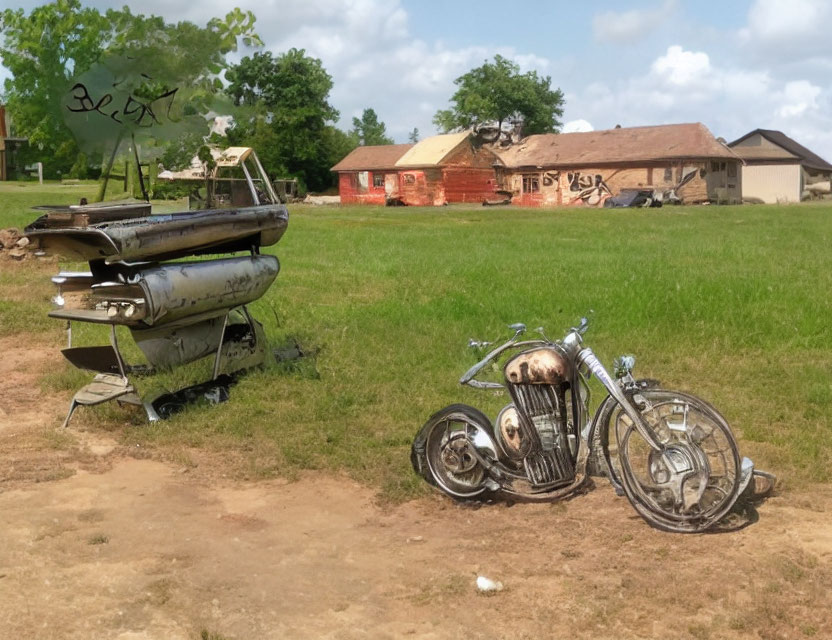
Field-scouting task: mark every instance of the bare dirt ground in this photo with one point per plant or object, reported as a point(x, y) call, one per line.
point(98, 542)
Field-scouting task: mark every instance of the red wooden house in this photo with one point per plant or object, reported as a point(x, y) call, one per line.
point(368, 175)
point(447, 168)
point(433, 172)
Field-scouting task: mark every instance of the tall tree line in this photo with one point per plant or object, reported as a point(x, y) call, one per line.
point(284, 110)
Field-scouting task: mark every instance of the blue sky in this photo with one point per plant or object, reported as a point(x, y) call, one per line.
point(734, 66)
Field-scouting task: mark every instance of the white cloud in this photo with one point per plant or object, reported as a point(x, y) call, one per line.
point(575, 126)
point(798, 97)
point(686, 86)
point(630, 26)
point(682, 68)
point(780, 31)
point(375, 62)
point(771, 20)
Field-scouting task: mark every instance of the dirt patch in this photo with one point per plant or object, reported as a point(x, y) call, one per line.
point(137, 548)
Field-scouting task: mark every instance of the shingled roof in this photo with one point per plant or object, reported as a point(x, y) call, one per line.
point(613, 146)
point(373, 158)
point(433, 150)
point(791, 149)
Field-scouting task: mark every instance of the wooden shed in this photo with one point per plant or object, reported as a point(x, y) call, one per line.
point(368, 175)
point(680, 161)
point(779, 169)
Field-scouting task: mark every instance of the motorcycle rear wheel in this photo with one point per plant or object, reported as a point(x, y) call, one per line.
point(442, 451)
point(694, 481)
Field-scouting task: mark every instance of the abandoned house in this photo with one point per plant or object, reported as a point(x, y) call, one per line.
point(368, 175)
point(778, 169)
point(683, 162)
point(435, 171)
point(448, 168)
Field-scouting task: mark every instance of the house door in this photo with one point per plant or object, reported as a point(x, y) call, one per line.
point(717, 182)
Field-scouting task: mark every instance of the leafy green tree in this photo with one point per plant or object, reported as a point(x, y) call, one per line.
point(497, 93)
point(413, 136)
point(60, 41)
point(338, 144)
point(369, 130)
point(41, 51)
point(293, 132)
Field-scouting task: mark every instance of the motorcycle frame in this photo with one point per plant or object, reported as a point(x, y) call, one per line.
point(580, 359)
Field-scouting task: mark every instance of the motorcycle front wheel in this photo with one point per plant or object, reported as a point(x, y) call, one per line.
point(443, 451)
point(694, 480)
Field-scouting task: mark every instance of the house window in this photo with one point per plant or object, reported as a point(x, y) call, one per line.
point(409, 178)
point(378, 179)
point(714, 167)
point(363, 179)
point(531, 183)
point(668, 174)
point(732, 170)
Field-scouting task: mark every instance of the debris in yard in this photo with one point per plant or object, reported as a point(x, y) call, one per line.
point(501, 198)
point(292, 350)
point(321, 200)
point(9, 238)
point(487, 585)
point(631, 198)
point(176, 311)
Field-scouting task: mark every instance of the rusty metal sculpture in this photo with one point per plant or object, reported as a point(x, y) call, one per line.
point(176, 311)
point(672, 454)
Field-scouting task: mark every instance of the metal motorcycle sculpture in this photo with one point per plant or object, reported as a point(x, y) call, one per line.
point(672, 454)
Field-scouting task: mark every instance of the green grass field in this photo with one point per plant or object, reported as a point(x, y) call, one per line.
point(730, 303)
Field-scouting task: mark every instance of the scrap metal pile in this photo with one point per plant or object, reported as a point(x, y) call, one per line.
point(176, 311)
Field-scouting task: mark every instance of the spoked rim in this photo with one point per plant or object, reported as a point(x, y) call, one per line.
point(694, 480)
point(450, 457)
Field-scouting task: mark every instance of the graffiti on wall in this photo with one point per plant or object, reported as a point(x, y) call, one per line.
point(672, 195)
point(551, 178)
point(595, 187)
point(587, 188)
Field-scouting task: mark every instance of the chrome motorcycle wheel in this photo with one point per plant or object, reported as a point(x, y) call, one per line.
point(443, 452)
point(693, 481)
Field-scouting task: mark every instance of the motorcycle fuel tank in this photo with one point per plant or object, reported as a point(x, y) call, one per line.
point(543, 365)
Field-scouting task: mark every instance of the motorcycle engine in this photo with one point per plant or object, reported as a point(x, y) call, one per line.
point(533, 430)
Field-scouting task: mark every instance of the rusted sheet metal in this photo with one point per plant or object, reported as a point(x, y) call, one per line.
point(243, 344)
point(185, 291)
point(167, 237)
point(66, 216)
point(537, 366)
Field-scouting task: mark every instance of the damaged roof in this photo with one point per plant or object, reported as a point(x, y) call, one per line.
point(372, 158)
point(612, 146)
point(790, 150)
point(432, 151)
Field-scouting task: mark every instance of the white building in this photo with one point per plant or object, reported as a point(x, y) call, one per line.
point(777, 169)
